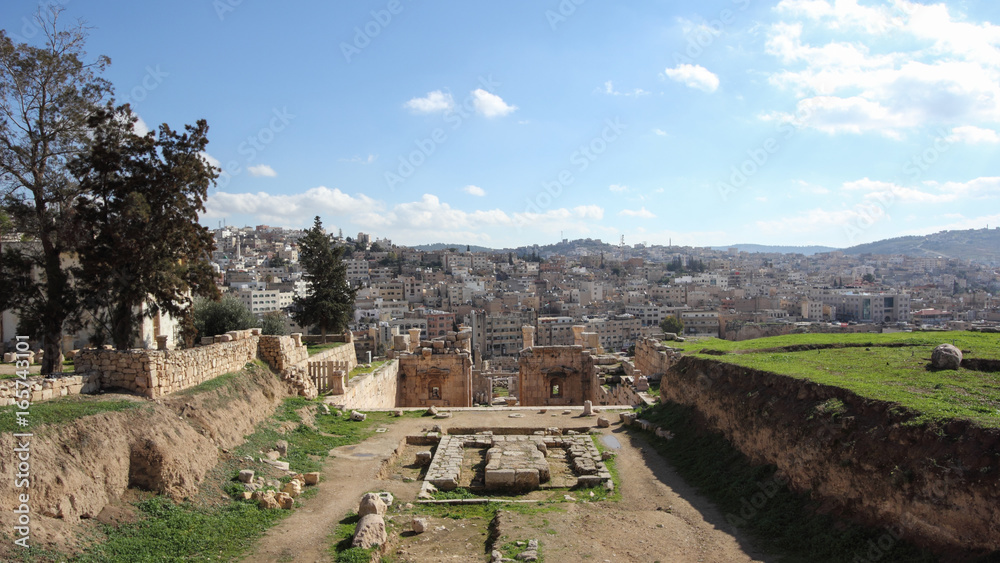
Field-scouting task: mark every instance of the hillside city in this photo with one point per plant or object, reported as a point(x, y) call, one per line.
point(622, 292)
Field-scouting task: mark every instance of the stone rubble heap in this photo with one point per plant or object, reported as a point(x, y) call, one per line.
point(516, 462)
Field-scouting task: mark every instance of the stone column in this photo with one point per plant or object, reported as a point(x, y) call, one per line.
point(528, 335)
point(578, 335)
point(414, 338)
point(161, 342)
point(297, 338)
point(588, 408)
point(337, 377)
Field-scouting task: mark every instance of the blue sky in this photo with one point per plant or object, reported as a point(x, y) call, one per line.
point(831, 122)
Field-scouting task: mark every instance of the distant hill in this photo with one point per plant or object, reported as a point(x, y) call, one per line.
point(979, 245)
point(807, 250)
point(443, 246)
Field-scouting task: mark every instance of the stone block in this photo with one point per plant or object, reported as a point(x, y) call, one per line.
point(285, 501)
point(292, 488)
point(369, 532)
point(371, 504)
point(500, 478)
point(246, 475)
point(311, 478)
point(526, 479)
point(603, 422)
point(423, 459)
point(420, 525)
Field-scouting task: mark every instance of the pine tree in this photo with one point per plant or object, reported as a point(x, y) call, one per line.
point(142, 249)
point(329, 300)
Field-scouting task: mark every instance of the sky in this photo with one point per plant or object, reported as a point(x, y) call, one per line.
point(709, 122)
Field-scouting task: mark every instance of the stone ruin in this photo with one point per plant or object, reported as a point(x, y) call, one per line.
point(517, 462)
point(436, 373)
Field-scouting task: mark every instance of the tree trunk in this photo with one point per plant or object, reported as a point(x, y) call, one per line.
point(323, 332)
point(52, 358)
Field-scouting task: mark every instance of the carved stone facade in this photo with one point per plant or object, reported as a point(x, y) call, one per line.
point(556, 375)
point(438, 373)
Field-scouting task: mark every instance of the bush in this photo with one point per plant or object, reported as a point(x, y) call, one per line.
point(219, 317)
point(273, 323)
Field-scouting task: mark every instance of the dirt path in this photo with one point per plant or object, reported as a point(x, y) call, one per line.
point(659, 517)
point(351, 472)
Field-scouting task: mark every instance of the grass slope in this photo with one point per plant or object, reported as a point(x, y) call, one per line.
point(888, 367)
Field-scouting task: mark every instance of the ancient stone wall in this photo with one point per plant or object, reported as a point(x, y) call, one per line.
point(43, 389)
point(623, 393)
point(282, 352)
point(345, 353)
point(435, 376)
point(652, 358)
point(935, 484)
point(376, 390)
point(556, 375)
point(155, 373)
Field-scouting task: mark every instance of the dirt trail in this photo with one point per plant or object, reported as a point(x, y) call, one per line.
point(350, 473)
point(659, 516)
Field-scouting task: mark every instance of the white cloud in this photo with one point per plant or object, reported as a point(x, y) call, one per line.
point(433, 102)
point(288, 210)
point(490, 105)
point(431, 219)
point(973, 135)
point(935, 70)
point(474, 190)
point(370, 159)
point(810, 221)
point(660, 132)
point(618, 188)
point(694, 76)
point(609, 89)
point(210, 159)
point(813, 189)
point(888, 193)
point(262, 170)
point(642, 213)
point(139, 127)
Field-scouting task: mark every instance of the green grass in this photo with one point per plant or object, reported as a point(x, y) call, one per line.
point(61, 411)
point(340, 542)
point(309, 446)
point(169, 532)
point(511, 550)
point(360, 369)
point(317, 348)
point(982, 345)
point(750, 497)
point(871, 369)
